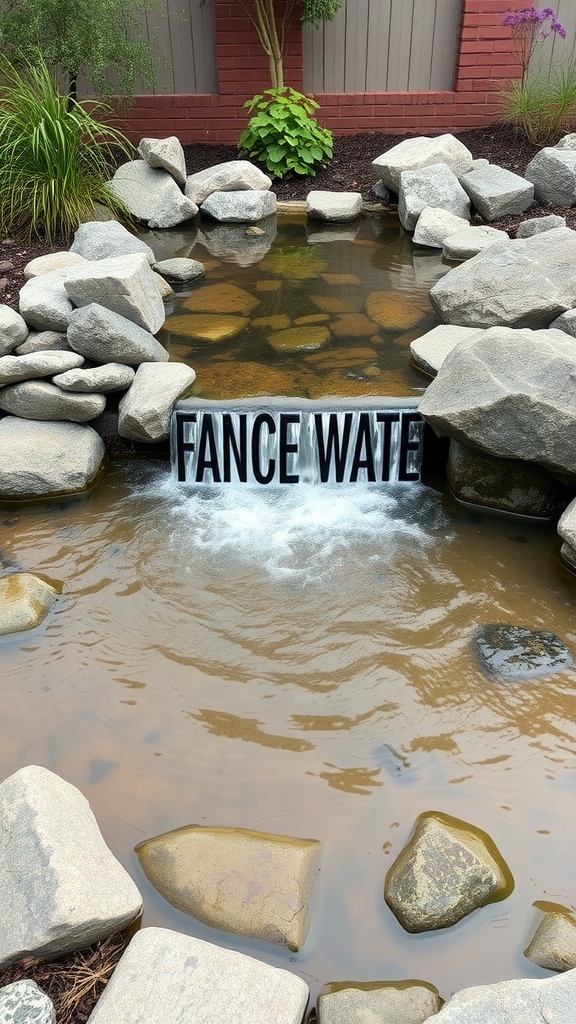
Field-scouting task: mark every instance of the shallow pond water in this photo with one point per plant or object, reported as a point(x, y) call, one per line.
point(299, 661)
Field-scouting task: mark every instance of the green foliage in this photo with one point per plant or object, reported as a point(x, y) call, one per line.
point(543, 105)
point(283, 136)
point(55, 156)
point(81, 36)
point(315, 11)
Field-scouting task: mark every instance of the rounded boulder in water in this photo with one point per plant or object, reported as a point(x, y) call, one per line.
point(513, 653)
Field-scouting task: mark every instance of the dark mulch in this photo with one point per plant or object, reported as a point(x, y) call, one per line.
point(350, 170)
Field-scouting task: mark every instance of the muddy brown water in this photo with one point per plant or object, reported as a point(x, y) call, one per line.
point(299, 661)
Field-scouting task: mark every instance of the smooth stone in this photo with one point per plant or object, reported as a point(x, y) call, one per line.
point(221, 298)
point(525, 1001)
point(465, 244)
point(497, 192)
point(535, 225)
point(435, 185)
point(553, 174)
point(36, 364)
point(38, 400)
point(180, 269)
point(231, 176)
point(166, 154)
point(435, 224)
point(553, 945)
point(102, 240)
point(447, 869)
point(520, 488)
point(514, 653)
point(167, 977)
point(23, 1002)
point(123, 284)
point(25, 600)
point(13, 329)
point(43, 341)
point(412, 154)
point(243, 882)
point(387, 1003)
point(152, 195)
point(44, 302)
point(107, 337)
point(393, 311)
point(430, 350)
point(98, 379)
point(333, 206)
point(299, 339)
point(211, 327)
point(144, 412)
point(52, 261)
point(240, 207)
point(73, 891)
point(71, 457)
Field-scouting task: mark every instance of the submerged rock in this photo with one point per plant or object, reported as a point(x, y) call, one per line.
point(553, 945)
point(447, 869)
point(513, 653)
point(408, 1002)
point(210, 327)
point(244, 882)
point(299, 339)
point(522, 488)
point(221, 298)
point(24, 601)
point(393, 311)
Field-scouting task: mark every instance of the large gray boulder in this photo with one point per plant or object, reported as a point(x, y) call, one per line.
point(508, 485)
point(61, 887)
point(435, 224)
point(411, 154)
point(434, 185)
point(333, 206)
point(51, 261)
point(37, 364)
point(447, 869)
point(468, 242)
point(23, 1002)
point(39, 400)
point(107, 337)
point(231, 176)
point(403, 1003)
point(167, 154)
point(566, 322)
point(24, 602)
point(39, 459)
point(101, 240)
point(123, 284)
point(144, 413)
point(44, 302)
point(165, 976)
point(510, 393)
point(430, 350)
point(553, 173)
point(240, 207)
point(13, 329)
point(152, 195)
point(526, 1001)
point(518, 283)
point(497, 192)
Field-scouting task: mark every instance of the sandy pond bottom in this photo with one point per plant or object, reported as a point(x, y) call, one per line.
point(299, 662)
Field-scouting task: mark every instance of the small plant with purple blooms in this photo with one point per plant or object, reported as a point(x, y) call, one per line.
point(541, 103)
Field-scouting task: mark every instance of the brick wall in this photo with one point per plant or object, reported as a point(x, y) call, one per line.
point(485, 61)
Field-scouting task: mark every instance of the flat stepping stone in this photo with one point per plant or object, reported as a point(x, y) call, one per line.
point(462, 245)
point(553, 945)
point(388, 1003)
point(25, 600)
point(334, 206)
point(210, 327)
point(513, 653)
point(24, 475)
point(180, 269)
point(431, 349)
point(392, 311)
point(299, 339)
point(497, 192)
point(353, 325)
point(221, 298)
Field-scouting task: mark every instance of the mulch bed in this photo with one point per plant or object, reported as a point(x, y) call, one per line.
point(349, 171)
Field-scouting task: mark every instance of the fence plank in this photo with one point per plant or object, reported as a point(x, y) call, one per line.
point(445, 44)
point(378, 48)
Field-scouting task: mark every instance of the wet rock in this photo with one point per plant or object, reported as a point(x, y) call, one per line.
point(484, 292)
point(553, 945)
point(166, 291)
point(513, 653)
point(509, 393)
point(166, 976)
point(231, 176)
point(510, 1002)
point(383, 194)
point(435, 224)
point(98, 240)
point(435, 185)
point(39, 459)
point(233, 244)
point(463, 245)
point(331, 233)
point(39, 400)
point(97, 379)
point(24, 1002)
point(37, 364)
point(210, 327)
point(44, 302)
point(244, 882)
point(276, 322)
point(447, 869)
point(144, 412)
point(342, 358)
point(51, 261)
point(221, 298)
point(497, 192)
point(246, 379)
point(386, 1003)
point(240, 207)
point(299, 339)
point(43, 341)
point(13, 329)
point(124, 285)
point(152, 195)
point(105, 336)
point(508, 485)
point(431, 349)
point(553, 174)
point(166, 154)
point(334, 206)
point(393, 311)
point(179, 269)
point(353, 325)
point(535, 225)
point(25, 600)
point(412, 154)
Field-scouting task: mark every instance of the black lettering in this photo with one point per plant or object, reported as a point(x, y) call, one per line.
point(287, 448)
point(387, 418)
point(231, 447)
point(363, 441)
point(183, 446)
point(264, 418)
point(333, 445)
point(407, 446)
point(207, 440)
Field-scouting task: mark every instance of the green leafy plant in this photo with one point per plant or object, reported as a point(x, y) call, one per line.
point(54, 154)
point(283, 136)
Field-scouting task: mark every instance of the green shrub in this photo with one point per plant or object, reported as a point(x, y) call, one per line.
point(282, 136)
point(55, 155)
point(543, 106)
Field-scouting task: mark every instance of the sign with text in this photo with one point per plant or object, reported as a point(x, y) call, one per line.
point(291, 441)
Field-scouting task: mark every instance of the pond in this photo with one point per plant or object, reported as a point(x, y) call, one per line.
point(299, 661)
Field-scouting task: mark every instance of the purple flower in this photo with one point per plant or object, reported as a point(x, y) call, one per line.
point(529, 17)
